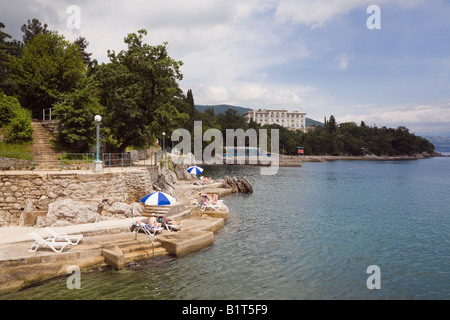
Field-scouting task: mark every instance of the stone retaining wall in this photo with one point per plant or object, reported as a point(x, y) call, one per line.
point(15, 164)
point(111, 193)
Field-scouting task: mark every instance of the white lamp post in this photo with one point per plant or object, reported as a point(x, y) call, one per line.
point(98, 165)
point(164, 143)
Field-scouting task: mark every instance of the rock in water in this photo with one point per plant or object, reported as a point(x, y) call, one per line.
point(238, 185)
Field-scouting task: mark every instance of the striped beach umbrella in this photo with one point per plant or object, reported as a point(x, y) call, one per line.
point(195, 170)
point(158, 199)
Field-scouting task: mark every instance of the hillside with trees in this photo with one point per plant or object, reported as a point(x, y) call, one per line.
point(136, 92)
point(138, 95)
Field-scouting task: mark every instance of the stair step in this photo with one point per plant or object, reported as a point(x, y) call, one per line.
point(135, 248)
point(42, 149)
point(141, 255)
point(124, 245)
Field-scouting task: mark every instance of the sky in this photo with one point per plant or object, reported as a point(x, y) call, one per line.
point(321, 57)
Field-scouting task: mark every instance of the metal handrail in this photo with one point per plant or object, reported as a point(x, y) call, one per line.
point(80, 161)
point(147, 233)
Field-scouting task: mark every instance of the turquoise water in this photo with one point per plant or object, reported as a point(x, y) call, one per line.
point(305, 233)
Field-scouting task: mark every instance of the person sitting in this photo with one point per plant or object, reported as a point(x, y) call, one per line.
point(153, 223)
point(214, 198)
point(205, 199)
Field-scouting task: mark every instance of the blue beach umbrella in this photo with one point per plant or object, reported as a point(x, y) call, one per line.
point(158, 199)
point(195, 170)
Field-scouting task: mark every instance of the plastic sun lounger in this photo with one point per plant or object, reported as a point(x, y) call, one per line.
point(215, 207)
point(73, 239)
point(40, 242)
point(170, 227)
point(146, 227)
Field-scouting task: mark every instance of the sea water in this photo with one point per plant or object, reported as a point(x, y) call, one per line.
point(305, 233)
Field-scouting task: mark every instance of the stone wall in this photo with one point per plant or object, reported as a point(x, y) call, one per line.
point(107, 195)
point(15, 164)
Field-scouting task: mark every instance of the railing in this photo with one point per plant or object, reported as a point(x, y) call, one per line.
point(138, 228)
point(77, 161)
point(49, 114)
point(130, 160)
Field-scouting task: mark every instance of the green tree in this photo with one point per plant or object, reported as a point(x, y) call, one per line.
point(86, 57)
point(48, 68)
point(8, 108)
point(139, 88)
point(15, 119)
point(191, 103)
point(76, 113)
point(19, 129)
point(32, 29)
point(8, 49)
point(331, 124)
point(231, 119)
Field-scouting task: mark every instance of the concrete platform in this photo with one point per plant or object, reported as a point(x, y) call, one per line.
point(108, 242)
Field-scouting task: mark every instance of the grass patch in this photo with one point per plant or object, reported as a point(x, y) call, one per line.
point(16, 150)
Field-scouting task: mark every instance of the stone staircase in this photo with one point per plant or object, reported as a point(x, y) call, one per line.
point(45, 156)
point(128, 250)
point(173, 210)
point(141, 250)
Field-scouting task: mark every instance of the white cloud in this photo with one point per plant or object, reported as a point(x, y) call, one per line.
point(343, 62)
point(217, 94)
point(416, 117)
point(316, 13)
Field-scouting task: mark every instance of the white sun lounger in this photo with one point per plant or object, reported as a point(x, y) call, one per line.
point(40, 242)
point(215, 207)
point(170, 227)
point(73, 238)
point(146, 228)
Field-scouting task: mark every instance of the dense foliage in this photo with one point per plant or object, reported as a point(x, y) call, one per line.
point(350, 139)
point(15, 120)
point(136, 93)
point(140, 92)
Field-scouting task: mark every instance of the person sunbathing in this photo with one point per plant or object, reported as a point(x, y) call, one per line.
point(169, 221)
point(206, 180)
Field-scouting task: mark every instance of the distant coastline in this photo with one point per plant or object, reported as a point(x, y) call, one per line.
point(297, 161)
point(369, 157)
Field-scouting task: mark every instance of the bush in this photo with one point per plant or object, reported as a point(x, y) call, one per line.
point(19, 128)
point(15, 120)
point(8, 107)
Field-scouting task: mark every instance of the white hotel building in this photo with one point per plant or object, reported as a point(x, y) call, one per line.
point(292, 120)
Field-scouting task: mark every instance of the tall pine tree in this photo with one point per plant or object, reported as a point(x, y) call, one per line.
point(190, 101)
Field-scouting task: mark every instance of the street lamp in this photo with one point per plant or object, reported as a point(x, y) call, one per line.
point(164, 144)
point(98, 165)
